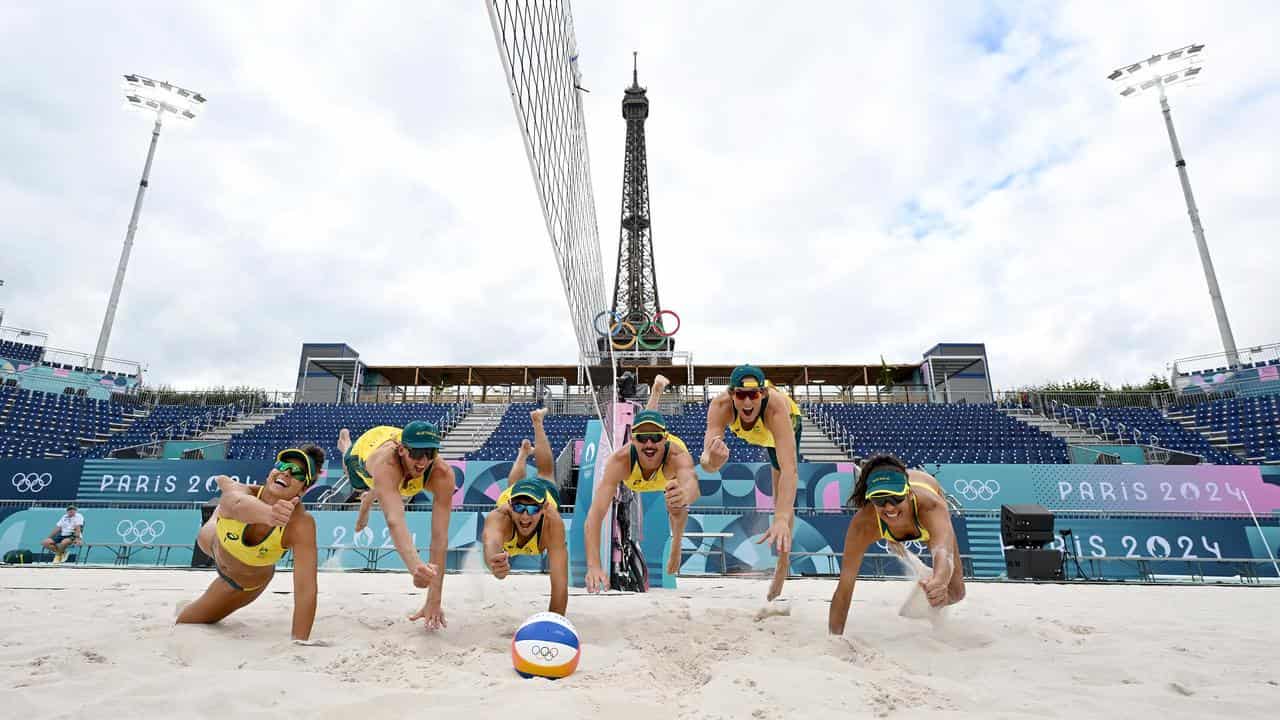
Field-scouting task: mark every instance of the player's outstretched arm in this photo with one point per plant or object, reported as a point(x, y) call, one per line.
point(856, 541)
point(557, 561)
point(616, 468)
point(497, 528)
point(302, 543)
point(715, 453)
point(240, 502)
point(386, 485)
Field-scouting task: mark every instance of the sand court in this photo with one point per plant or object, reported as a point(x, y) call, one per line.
point(74, 640)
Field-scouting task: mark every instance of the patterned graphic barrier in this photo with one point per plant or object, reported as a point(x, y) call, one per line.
point(735, 501)
point(823, 486)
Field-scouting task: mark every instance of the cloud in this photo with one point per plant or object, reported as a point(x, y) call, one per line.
point(828, 184)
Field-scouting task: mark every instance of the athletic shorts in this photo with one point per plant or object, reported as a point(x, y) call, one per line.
point(356, 473)
point(773, 452)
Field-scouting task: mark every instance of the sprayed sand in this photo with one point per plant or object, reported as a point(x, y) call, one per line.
point(75, 641)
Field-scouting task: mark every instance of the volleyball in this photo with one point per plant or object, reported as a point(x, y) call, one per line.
point(545, 645)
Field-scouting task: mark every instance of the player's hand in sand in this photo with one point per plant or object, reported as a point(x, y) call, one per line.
point(677, 495)
point(423, 574)
point(935, 584)
point(716, 454)
point(778, 535)
point(500, 565)
point(282, 510)
point(431, 616)
point(597, 580)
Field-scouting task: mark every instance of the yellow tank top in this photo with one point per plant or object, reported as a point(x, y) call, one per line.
point(231, 537)
point(923, 533)
point(530, 548)
point(759, 434)
point(375, 438)
point(657, 482)
point(511, 546)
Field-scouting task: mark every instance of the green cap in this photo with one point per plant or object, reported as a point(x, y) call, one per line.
point(744, 374)
point(420, 434)
point(887, 481)
point(533, 488)
point(649, 417)
point(302, 460)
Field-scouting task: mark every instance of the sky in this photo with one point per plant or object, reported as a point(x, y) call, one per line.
point(830, 183)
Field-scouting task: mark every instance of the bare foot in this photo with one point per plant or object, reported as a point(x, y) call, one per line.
point(660, 383)
point(526, 447)
point(775, 587)
point(344, 440)
point(673, 563)
point(537, 415)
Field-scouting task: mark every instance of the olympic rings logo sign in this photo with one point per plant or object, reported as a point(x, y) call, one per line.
point(977, 489)
point(140, 531)
point(624, 334)
point(546, 652)
point(31, 482)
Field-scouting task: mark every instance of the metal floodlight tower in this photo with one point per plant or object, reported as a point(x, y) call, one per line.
point(1159, 71)
point(163, 99)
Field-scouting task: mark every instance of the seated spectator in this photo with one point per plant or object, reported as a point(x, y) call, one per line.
point(67, 532)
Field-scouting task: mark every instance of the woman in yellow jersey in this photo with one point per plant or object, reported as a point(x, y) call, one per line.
point(654, 461)
point(392, 466)
point(250, 530)
point(898, 505)
point(756, 411)
point(526, 520)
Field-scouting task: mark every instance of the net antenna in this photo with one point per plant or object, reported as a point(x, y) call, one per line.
point(539, 55)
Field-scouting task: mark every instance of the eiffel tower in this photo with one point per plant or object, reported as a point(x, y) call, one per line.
point(635, 287)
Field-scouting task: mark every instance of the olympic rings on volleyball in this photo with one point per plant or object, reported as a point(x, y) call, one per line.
point(545, 652)
point(977, 489)
point(31, 482)
point(635, 336)
point(139, 530)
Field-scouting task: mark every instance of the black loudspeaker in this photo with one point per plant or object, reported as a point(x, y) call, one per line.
point(1025, 526)
point(198, 558)
point(1033, 564)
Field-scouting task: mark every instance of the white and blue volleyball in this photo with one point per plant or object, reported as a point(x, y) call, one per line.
point(546, 645)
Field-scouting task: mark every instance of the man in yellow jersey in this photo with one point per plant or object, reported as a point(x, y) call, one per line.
point(393, 465)
point(249, 531)
point(527, 519)
point(898, 505)
point(756, 411)
point(653, 461)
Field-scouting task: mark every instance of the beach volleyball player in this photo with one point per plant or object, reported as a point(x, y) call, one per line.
point(653, 461)
point(527, 519)
point(250, 530)
point(756, 411)
point(898, 505)
point(391, 466)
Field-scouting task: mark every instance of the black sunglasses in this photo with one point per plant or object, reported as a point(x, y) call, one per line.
point(419, 453)
point(882, 500)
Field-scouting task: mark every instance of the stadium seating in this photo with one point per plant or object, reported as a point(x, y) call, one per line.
point(1252, 421)
point(930, 433)
point(186, 421)
point(319, 423)
point(1154, 428)
point(21, 352)
point(35, 424)
point(515, 426)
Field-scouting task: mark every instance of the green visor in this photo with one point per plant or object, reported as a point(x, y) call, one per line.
point(532, 488)
point(887, 481)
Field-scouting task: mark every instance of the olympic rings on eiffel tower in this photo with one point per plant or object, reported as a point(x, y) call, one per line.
point(624, 334)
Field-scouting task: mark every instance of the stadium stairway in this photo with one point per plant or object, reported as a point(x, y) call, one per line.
point(1216, 438)
point(1068, 434)
point(816, 445)
point(248, 422)
point(472, 430)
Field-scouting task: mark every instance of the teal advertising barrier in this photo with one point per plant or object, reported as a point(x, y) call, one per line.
point(1088, 454)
